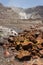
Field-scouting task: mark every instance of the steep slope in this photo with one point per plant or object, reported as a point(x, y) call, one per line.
point(20, 12)
point(36, 12)
point(12, 13)
point(7, 15)
point(17, 9)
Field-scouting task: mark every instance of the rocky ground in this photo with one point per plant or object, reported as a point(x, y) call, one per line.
point(16, 49)
point(12, 61)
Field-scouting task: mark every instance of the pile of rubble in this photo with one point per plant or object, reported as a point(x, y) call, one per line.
point(28, 44)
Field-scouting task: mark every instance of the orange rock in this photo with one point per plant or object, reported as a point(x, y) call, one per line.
point(23, 55)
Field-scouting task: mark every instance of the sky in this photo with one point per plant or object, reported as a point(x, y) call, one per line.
point(22, 3)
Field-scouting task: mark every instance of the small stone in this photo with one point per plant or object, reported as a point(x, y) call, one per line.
point(6, 53)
